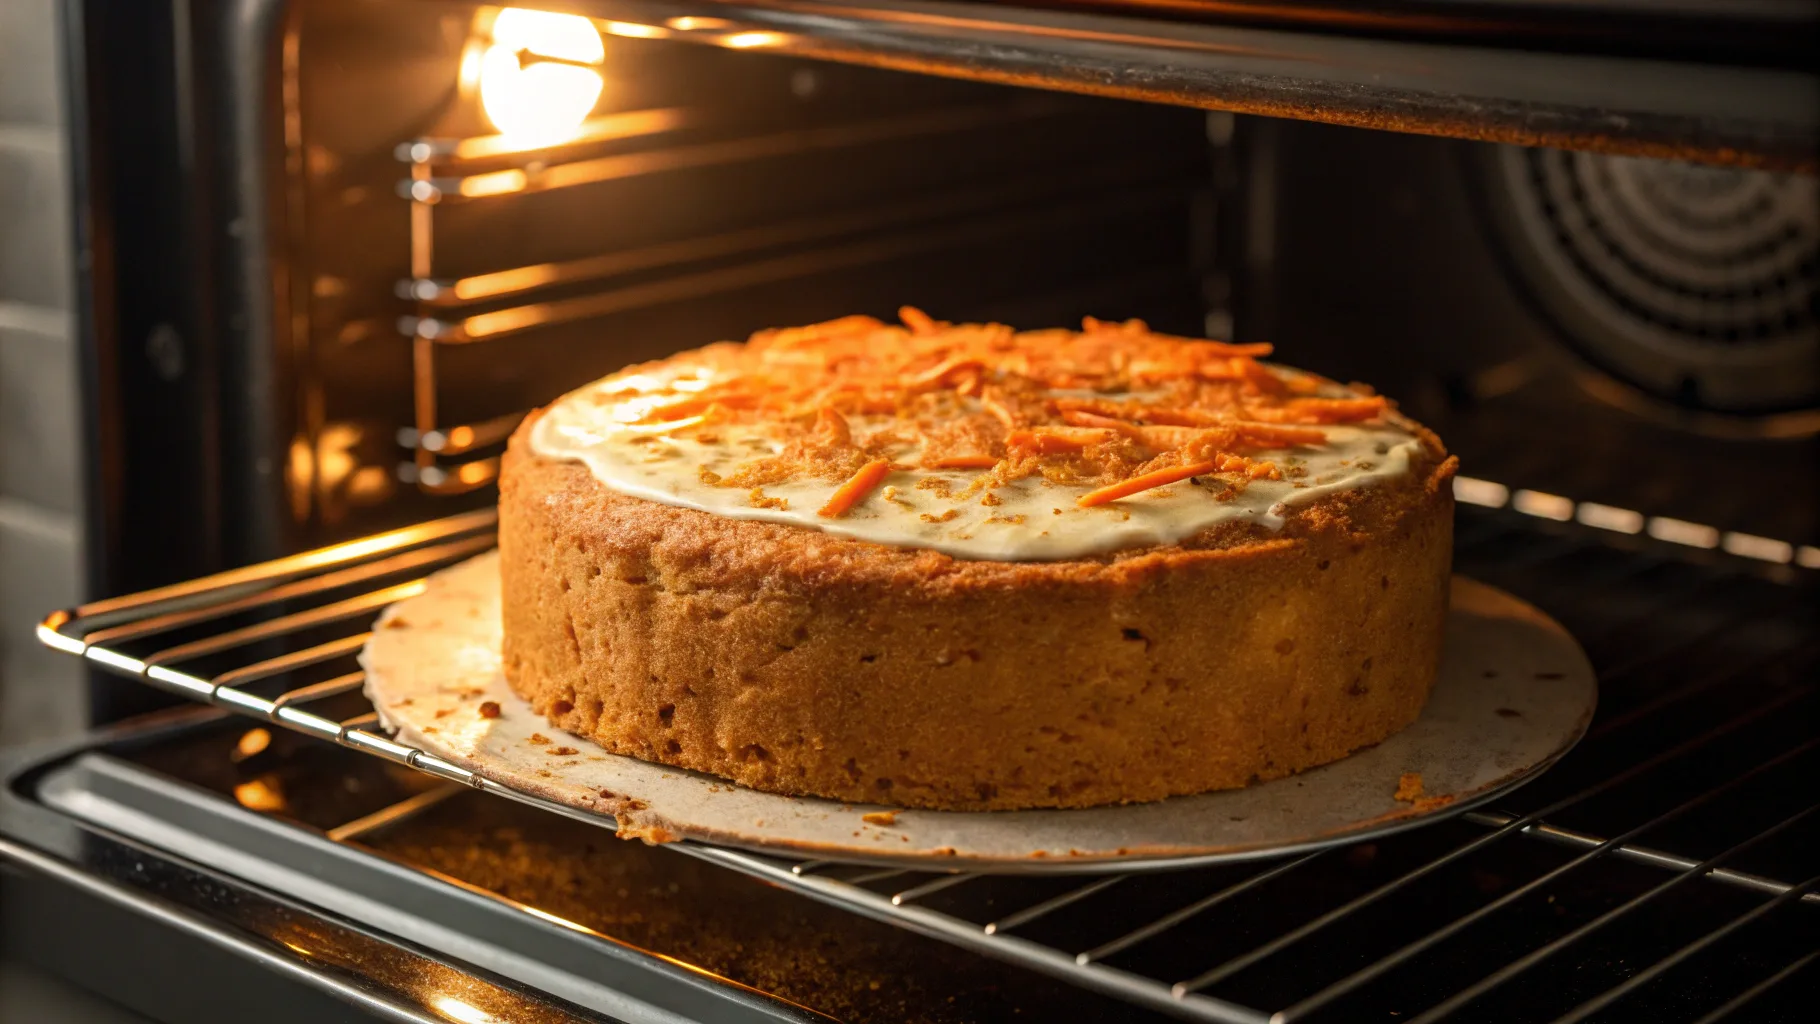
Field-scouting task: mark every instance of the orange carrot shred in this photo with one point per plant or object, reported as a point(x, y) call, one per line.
point(918, 321)
point(1143, 482)
point(1183, 417)
point(999, 412)
point(1088, 419)
point(855, 489)
point(1055, 440)
point(1271, 435)
point(942, 369)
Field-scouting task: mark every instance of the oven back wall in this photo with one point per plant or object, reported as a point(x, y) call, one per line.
point(40, 483)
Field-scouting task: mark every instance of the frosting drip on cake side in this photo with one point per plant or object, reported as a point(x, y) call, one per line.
point(946, 510)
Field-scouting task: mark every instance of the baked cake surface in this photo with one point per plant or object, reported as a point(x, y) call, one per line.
point(957, 566)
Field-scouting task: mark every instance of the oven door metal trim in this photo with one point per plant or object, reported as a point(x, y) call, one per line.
point(78, 795)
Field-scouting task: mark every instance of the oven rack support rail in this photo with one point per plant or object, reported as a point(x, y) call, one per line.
point(504, 303)
point(371, 569)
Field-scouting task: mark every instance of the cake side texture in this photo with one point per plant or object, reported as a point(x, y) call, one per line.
point(796, 661)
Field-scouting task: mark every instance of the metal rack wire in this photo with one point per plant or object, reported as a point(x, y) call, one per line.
point(272, 641)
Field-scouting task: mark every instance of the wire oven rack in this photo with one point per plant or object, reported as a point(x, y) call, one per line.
point(270, 641)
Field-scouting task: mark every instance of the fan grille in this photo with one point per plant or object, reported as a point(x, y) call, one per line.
point(1694, 283)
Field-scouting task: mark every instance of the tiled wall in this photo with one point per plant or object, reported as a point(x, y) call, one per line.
point(40, 481)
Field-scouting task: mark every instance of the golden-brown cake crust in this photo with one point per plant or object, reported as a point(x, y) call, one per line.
point(791, 660)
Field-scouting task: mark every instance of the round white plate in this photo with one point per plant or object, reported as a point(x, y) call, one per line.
point(1514, 693)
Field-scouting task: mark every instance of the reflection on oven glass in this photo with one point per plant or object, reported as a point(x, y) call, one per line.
point(251, 743)
point(261, 794)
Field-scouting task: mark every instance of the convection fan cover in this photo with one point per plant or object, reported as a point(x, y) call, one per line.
point(1697, 285)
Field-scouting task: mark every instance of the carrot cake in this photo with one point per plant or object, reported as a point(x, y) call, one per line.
point(960, 566)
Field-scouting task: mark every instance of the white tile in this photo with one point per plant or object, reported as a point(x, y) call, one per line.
point(35, 263)
point(40, 449)
point(31, 90)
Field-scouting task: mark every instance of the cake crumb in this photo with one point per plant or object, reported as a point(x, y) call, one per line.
point(708, 476)
point(563, 751)
point(759, 499)
point(1409, 787)
point(991, 499)
point(944, 517)
point(538, 738)
point(884, 818)
point(489, 709)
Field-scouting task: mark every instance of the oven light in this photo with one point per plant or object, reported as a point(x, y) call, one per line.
point(462, 1010)
point(538, 81)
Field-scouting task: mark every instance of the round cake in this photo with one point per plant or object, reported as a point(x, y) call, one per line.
point(958, 566)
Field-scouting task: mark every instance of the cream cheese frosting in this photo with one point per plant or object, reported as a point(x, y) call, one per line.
point(946, 510)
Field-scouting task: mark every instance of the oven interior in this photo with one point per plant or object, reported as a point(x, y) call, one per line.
point(1663, 870)
point(1611, 344)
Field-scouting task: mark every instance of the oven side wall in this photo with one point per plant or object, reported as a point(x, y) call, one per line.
point(41, 491)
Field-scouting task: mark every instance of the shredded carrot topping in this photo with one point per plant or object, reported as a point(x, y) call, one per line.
point(1126, 488)
point(1055, 440)
point(1088, 419)
point(856, 488)
point(1114, 407)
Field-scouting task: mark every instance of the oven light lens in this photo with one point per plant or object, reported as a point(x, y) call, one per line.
point(538, 81)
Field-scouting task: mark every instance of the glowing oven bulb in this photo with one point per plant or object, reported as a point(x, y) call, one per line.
point(535, 85)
